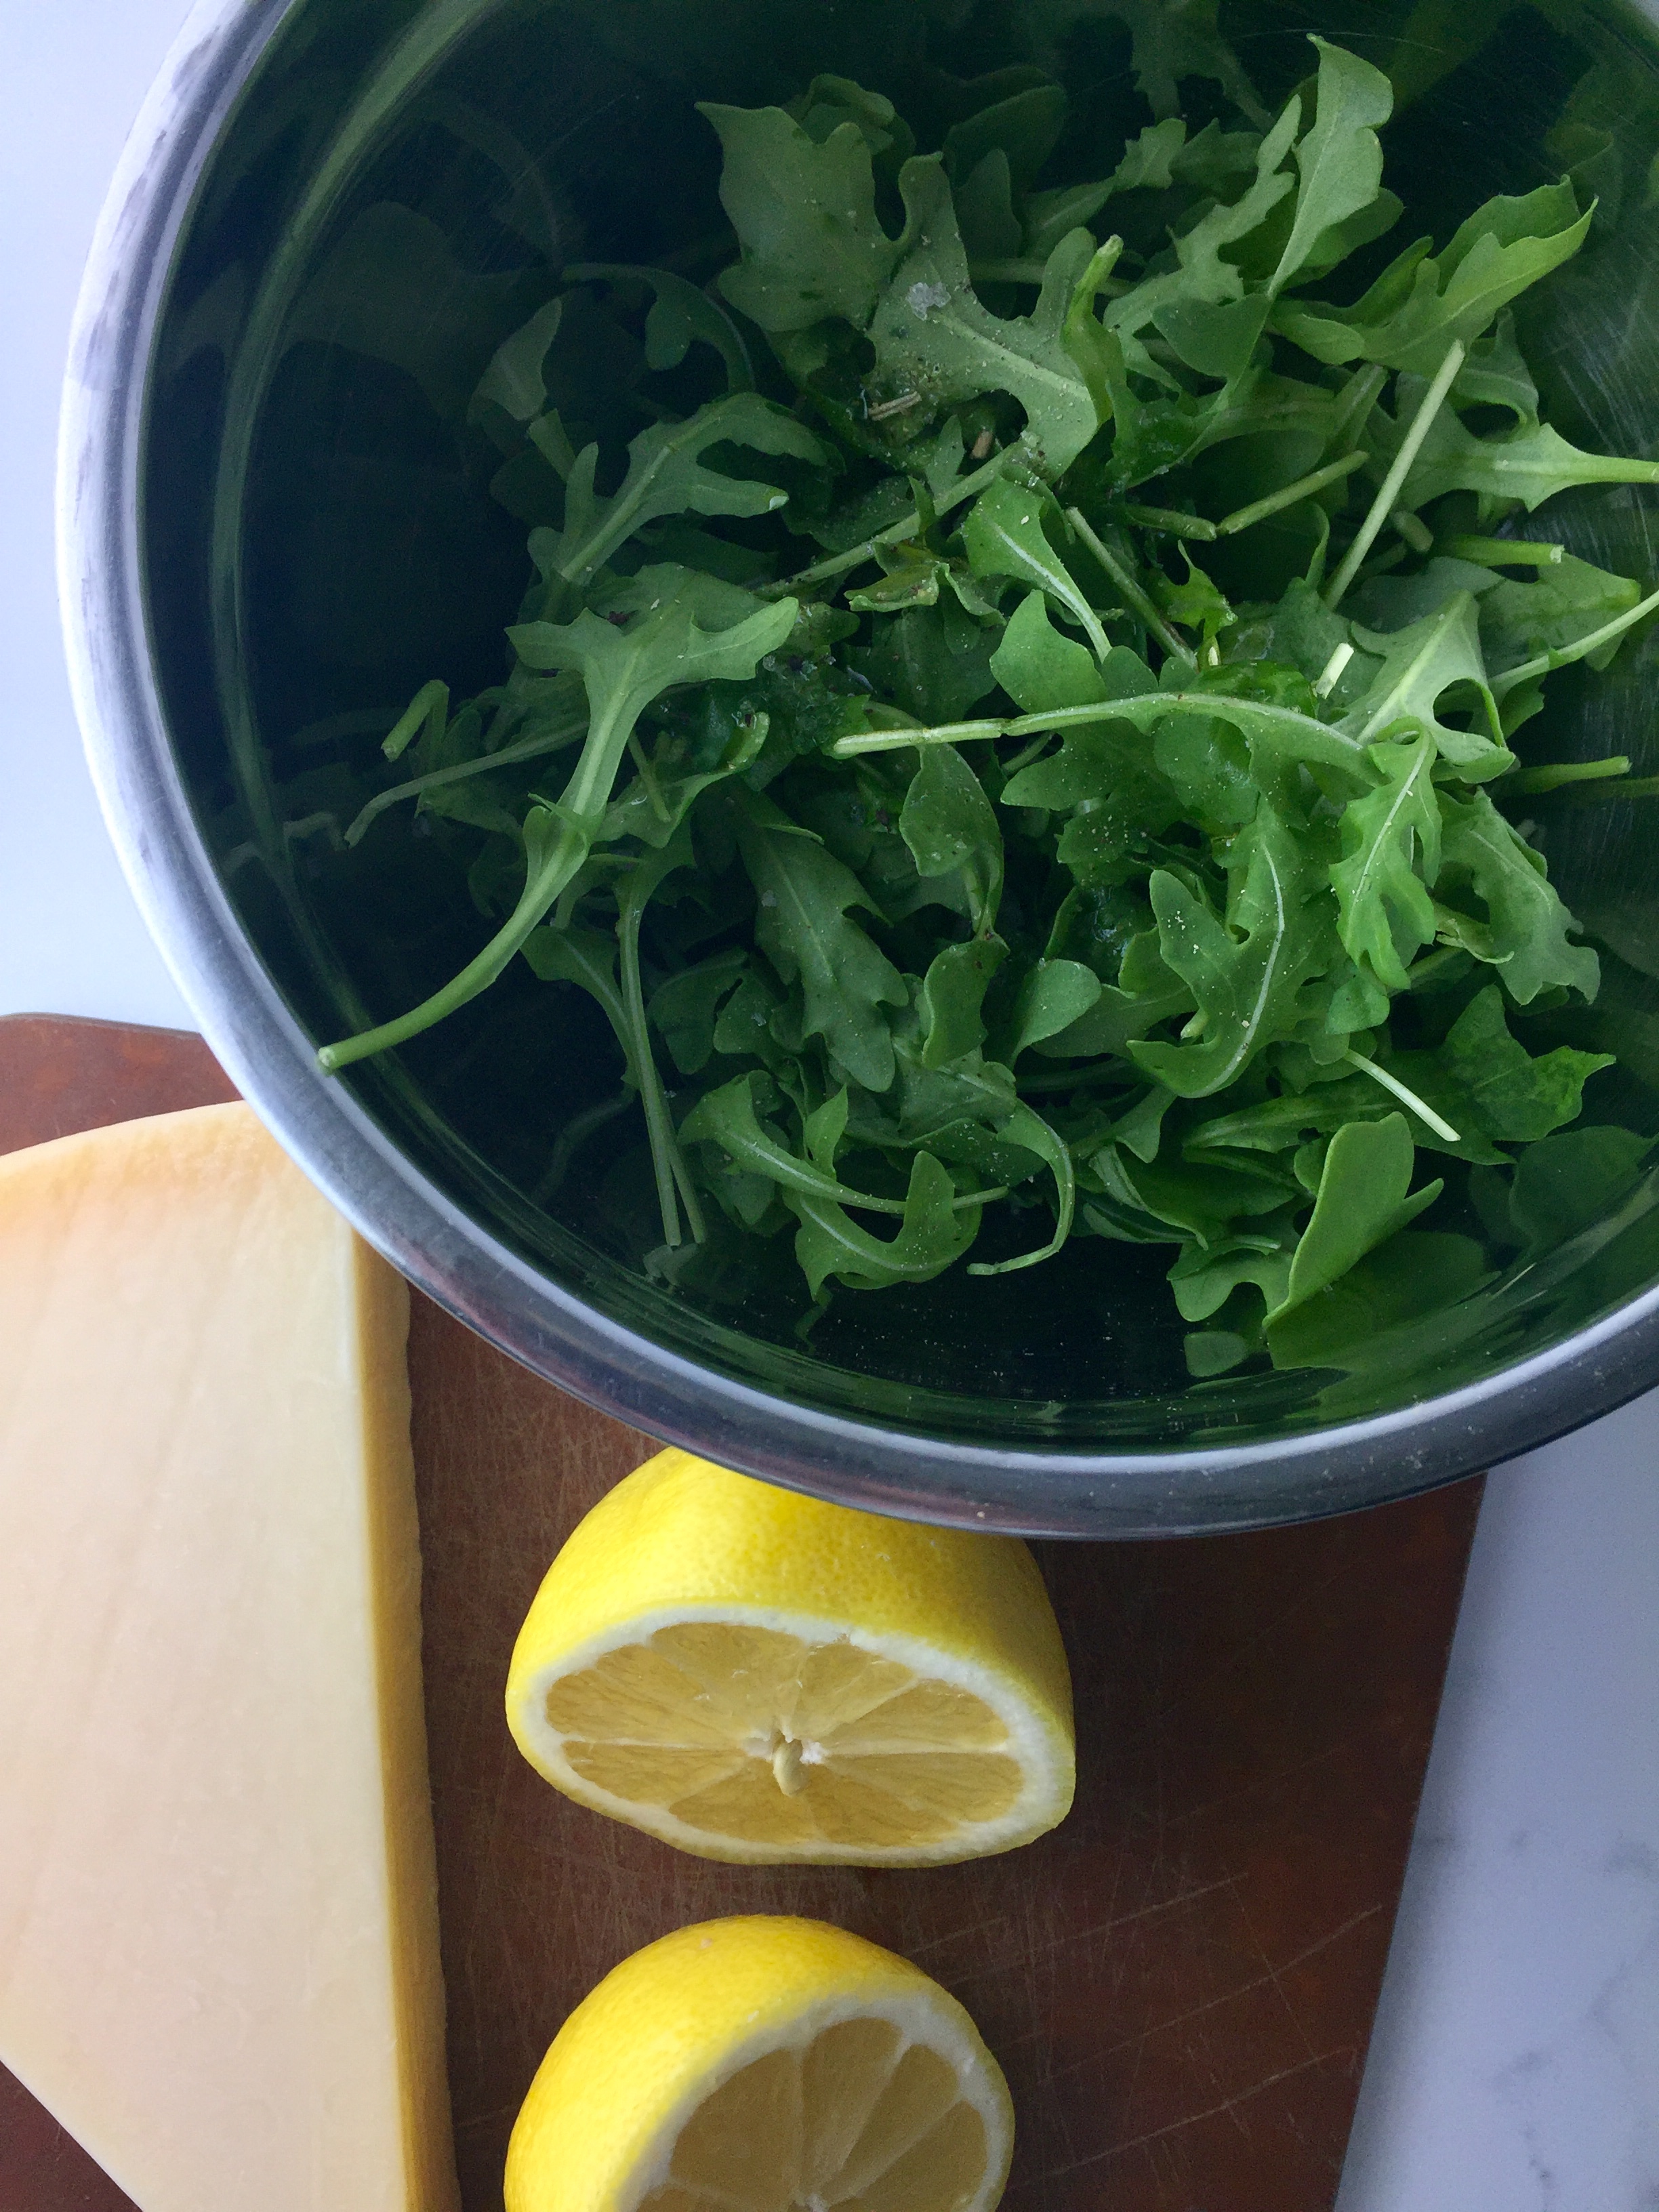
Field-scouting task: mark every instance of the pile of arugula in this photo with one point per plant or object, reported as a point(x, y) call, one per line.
point(1105, 835)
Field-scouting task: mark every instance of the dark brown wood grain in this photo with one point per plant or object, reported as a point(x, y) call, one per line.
point(1180, 1983)
point(58, 1076)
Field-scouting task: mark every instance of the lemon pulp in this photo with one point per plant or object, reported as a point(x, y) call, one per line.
point(764, 1736)
point(858, 2118)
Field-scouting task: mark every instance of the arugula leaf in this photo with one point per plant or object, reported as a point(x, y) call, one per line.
point(449, 755)
point(1418, 1273)
point(935, 1232)
point(1340, 160)
point(803, 927)
point(665, 626)
point(933, 661)
point(952, 996)
point(911, 578)
point(1204, 276)
point(1285, 1120)
point(1028, 1130)
point(1495, 374)
point(666, 475)
point(684, 1007)
point(1362, 1201)
point(935, 341)
point(831, 101)
point(515, 383)
point(1024, 129)
point(1525, 466)
point(805, 213)
point(1525, 932)
point(1103, 769)
point(1148, 163)
point(1419, 664)
point(1518, 1098)
point(680, 316)
point(1205, 1276)
point(1272, 729)
point(639, 886)
point(587, 958)
point(1419, 303)
point(1245, 984)
point(1005, 537)
point(1054, 995)
point(726, 1118)
point(950, 827)
point(1204, 1200)
point(984, 202)
point(1569, 1182)
point(1567, 600)
point(1039, 666)
point(1390, 856)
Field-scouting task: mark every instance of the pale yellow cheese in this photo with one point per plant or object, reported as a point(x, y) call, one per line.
point(218, 1917)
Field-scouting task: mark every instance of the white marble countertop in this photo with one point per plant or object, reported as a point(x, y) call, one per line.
point(1515, 2064)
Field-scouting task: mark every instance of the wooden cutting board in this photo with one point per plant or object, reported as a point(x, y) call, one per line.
point(1179, 1983)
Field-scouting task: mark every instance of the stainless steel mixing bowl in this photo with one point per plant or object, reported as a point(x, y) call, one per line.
point(267, 543)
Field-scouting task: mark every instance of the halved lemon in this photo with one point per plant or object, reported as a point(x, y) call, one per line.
point(755, 1675)
point(764, 2065)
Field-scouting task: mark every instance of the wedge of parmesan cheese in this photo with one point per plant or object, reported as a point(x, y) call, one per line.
point(218, 1906)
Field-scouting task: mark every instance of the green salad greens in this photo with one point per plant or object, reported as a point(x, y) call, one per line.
point(1029, 754)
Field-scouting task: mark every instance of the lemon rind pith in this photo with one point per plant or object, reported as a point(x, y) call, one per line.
point(1038, 1743)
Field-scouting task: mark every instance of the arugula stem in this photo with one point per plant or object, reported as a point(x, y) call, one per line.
point(837, 564)
point(545, 741)
point(1050, 1148)
point(1406, 1098)
point(1171, 523)
point(647, 777)
point(1417, 534)
point(1304, 488)
point(1355, 403)
point(1027, 754)
point(574, 1135)
point(428, 710)
point(1556, 774)
point(1399, 468)
point(943, 733)
point(1504, 552)
point(1331, 675)
point(831, 1191)
point(1431, 965)
point(1390, 559)
point(1563, 656)
point(1134, 597)
point(665, 1159)
point(542, 886)
point(1143, 708)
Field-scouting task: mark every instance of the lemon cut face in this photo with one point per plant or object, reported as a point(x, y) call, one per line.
point(790, 1738)
point(858, 2117)
point(764, 2065)
point(918, 1713)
